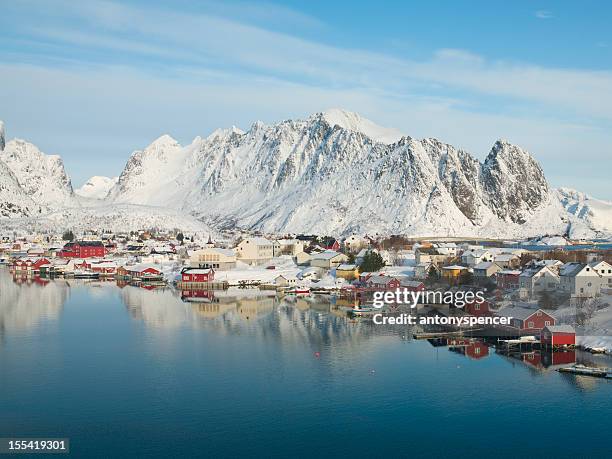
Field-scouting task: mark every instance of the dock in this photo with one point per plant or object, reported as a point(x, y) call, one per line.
point(582, 370)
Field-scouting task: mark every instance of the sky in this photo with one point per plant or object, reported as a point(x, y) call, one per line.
point(94, 81)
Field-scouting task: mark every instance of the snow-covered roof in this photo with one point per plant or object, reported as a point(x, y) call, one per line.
point(346, 267)
point(505, 257)
point(142, 267)
point(560, 328)
point(327, 255)
point(571, 269)
point(517, 312)
point(257, 241)
point(196, 270)
point(484, 265)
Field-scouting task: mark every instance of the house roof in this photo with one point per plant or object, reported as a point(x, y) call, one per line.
point(196, 270)
point(505, 257)
point(346, 267)
point(560, 328)
point(142, 267)
point(379, 279)
point(571, 269)
point(257, 241)
point(518, 312)
point(484, 265)
point(327, 255)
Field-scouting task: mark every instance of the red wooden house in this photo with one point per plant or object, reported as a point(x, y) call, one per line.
point(197, 275)
point(478, 309)
point(379, 282)
point(558, 335)
point(413, 286)
point(29, 264)
point(507, 279)
point(83, 249)
point(144, 272)
point(527, 320)
point(335, 245)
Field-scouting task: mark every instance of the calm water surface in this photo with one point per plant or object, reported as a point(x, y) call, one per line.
point(132, 372)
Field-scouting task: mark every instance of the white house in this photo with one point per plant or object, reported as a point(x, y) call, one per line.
point(213, 257)
point(580, 280)
point(473, 257)
point(254, 250)
point(538, 279)
point(328, 259)
point(604, 269)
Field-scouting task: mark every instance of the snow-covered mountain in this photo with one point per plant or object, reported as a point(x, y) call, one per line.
point(589, 213)
point(97, 187)
point(42, 177)
point(332, 173)
point(14, 202)
point(325, 174)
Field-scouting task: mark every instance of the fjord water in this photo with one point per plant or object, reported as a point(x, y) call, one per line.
point(128, 372)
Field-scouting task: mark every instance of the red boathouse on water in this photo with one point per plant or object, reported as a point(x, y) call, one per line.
point(197, 275)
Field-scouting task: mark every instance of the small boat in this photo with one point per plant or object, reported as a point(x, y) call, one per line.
point(85, 274)
point(585, 371)
point(299, 291)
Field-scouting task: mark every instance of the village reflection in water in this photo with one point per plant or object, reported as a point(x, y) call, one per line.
point(26, 302)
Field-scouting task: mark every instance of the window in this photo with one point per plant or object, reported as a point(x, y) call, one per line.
point(547, 323)
point(539, 313)
point(530, 324)
point(477, 307)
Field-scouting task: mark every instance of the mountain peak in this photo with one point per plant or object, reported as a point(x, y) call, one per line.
point(97, 187)
point(164, 141)
point(354, 122)
point(221, 133)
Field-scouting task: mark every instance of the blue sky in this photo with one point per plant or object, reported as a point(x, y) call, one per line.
point(94, 81)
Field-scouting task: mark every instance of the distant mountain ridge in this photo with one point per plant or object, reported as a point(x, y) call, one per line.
point(333, 173)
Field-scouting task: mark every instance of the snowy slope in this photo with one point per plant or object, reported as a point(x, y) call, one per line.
point(354, 122)
point(325, 175)
point(97, 187)
point(41, 176)
point(588, 215)
point(13, 200)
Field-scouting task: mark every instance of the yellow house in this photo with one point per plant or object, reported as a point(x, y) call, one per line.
point(348, 272)
point(452, 273)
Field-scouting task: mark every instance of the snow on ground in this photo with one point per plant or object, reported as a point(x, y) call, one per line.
point(284, 265)
point(598, 330)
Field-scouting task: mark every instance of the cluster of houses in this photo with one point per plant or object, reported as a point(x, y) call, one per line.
point(502, 267)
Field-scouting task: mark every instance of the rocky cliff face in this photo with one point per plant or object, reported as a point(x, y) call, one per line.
point(2, 136)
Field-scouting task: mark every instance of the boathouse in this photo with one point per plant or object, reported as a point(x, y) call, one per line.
point(558, 335)
point(199, 275)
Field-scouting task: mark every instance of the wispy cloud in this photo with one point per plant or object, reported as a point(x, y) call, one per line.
point(543, 14)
